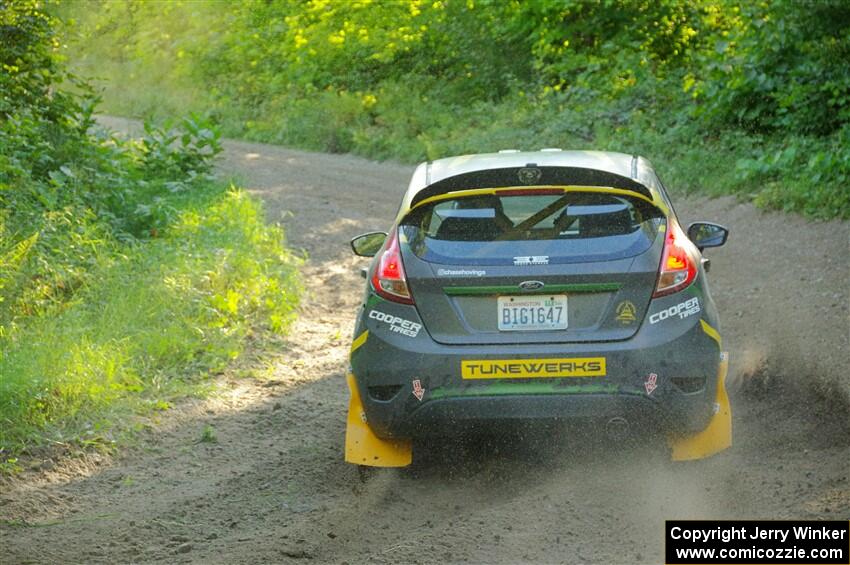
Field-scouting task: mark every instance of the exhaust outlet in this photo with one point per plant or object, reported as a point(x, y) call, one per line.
point(618, 429)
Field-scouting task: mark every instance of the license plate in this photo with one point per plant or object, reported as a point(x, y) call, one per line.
point(532, 313)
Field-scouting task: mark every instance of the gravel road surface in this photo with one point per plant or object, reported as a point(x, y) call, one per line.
point(274, 487)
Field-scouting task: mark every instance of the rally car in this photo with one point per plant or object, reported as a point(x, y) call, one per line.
point(545, 286)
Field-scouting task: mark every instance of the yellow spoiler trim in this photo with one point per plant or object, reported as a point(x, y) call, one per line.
point(569, 188)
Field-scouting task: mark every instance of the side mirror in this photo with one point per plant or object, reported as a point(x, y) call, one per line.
point(368, 244)
point(707, 234)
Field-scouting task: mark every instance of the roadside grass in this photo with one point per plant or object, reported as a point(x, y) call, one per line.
point(129, 275)
point(208, 435)
point(155, 320)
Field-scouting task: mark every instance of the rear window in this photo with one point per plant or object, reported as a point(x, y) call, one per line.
point(570, 226)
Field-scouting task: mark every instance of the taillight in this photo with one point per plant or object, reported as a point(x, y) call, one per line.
point(678, 269)
point(388, 278)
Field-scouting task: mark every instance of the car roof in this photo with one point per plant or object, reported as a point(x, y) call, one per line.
point(611, 162)
point(629, 168)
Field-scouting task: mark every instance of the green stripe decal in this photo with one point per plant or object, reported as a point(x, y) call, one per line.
point(373, 300)
point(508, 389)
point(514, 289)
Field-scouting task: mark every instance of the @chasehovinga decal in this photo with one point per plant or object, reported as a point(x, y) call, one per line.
point(531, 260)
point(396, 324)
point(682, 310)
point(532, 368)
point(461, 272)
point(626, 312)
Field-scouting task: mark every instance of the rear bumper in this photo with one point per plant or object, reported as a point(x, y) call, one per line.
point(683, 356)
point(449, 416)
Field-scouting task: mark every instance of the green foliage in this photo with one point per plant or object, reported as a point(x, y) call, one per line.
point(29, 67)
point(782, 68)
point(127, 273)
point(186, 152)
point(806, 175)
point(9, 466)
point(151, 319)
point(208, 435)
point(409, 79)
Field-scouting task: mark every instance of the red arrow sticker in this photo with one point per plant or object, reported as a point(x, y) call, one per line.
point(418, 391)
point(650, 383)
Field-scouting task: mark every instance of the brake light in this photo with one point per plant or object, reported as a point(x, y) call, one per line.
point(388, 278)
point(530, 192)
point(678, 269)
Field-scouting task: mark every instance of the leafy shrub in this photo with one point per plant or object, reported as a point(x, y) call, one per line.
point(413, 80)
point(189, 151)
point(151, 321)
point(784, 67)
point(127, 272)
point(810, 176)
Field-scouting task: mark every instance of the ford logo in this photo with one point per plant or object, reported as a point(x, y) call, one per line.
point(531, 285)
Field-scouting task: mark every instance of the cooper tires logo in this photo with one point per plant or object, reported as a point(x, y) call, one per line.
point(396, 324)
point(681, 310)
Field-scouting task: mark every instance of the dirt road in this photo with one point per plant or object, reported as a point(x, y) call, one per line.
point(274, 488)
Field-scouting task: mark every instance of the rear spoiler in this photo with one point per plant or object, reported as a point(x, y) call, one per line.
point(538, 176)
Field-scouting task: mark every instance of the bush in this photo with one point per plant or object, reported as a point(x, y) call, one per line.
point(783, 68)
point(152, 323)
point(412, 80)
point(127, 272)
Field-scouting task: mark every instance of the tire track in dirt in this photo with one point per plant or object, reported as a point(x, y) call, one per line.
point(274, 486)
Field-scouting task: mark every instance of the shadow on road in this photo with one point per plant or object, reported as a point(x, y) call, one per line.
point(266, 481)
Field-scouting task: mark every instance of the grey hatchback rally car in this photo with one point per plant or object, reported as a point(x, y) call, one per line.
point(550, 286)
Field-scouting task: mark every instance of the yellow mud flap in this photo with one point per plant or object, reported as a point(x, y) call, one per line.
point(362, 446)
point(717, 436)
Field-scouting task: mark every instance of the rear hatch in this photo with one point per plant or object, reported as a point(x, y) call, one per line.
point(532, 266)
